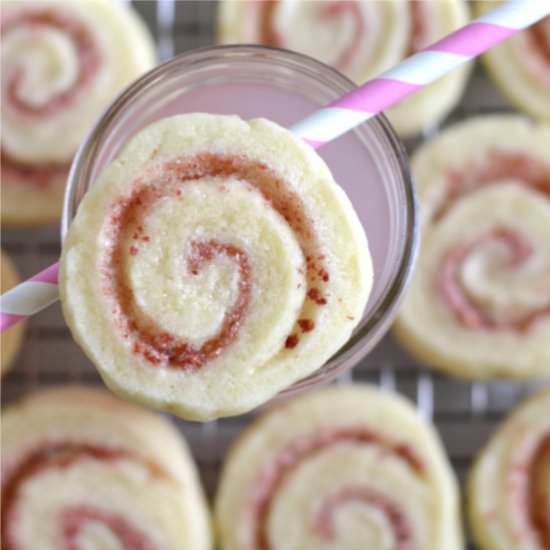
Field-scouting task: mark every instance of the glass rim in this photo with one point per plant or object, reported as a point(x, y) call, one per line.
point(377, 322)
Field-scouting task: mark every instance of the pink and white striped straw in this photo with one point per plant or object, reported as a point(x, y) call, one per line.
point(419, 70)
point(29, 297)
point(342, 115)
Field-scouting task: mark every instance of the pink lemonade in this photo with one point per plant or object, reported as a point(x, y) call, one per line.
point(369, 162)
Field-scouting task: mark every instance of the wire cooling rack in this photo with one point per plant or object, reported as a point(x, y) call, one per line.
point(465, 414)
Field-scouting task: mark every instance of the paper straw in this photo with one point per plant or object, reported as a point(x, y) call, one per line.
point(342, 115)
point(29, 297)
point(420, 69)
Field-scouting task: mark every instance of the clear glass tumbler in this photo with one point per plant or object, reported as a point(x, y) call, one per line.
point(252, 81)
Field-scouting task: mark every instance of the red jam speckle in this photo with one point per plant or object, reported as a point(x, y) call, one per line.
point(291, 341)
point(315, 295)
point(133, 251)
point(307, 325)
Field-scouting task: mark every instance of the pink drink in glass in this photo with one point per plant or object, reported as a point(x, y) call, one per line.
point(251, 81)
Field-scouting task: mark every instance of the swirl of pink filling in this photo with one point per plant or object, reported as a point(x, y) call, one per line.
point(126, 233)
point(76, 518)
point(419, 37)
point(389, 507)
point(465, 309)
point(88, 54)
point(35, 19)
point(272, 477)
point(73, 519)
point(498, 166)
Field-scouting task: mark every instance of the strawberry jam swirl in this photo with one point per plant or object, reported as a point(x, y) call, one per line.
point(273, 477)
point(388, 507)
point(419, 36)
point(76, 518)
point(529, 493)
point(499, 166)
point(465, 309)
point(34, 20)
point(89, 58)
point(126, 234)
point(73, 519)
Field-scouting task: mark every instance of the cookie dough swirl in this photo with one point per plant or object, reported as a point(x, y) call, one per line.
point(479, 304)
point(224, 262)
point(325, 471)
point(62, 63)
point(81, 469)
point(520, 67)
point(509, 486)
point(359, 38)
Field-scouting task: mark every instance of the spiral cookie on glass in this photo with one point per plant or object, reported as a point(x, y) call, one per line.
point(509, 486)
point(344, 467)
point(214, 263)
point(62, 64)
point(359, 38)
point(479, 302)
point(81, 469)
point(11, 338)
point(520, 66)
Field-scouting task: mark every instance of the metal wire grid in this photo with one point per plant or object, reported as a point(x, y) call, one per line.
point(465, 414)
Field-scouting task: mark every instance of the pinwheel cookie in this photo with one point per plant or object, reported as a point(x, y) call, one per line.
point(360, 38)
point(62, 63)
point(81, 469)
point(11, 338)
point(344, 467)
point(509, 487)
point(479, 302)
point(214, 263)
point(520, 66)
